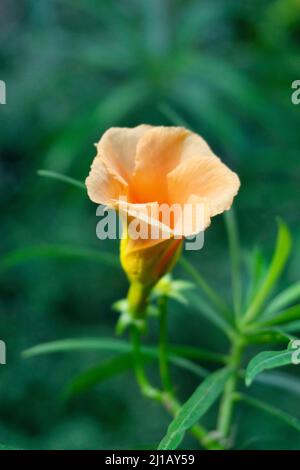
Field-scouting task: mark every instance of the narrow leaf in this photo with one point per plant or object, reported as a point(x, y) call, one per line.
point(208, 291)
point(267, 360)
point(176, 356)
point(281, 254)
point(61, 177)
point(57, 251)
point(287, 316)
point(282, 381)
point(96, 375)
point(200, 354)
point(268, 336)
point(291, 421)
point(194, 408)
point(257, 269)
point(293, 327)
point(285, 298)
point(210, 314)
point(78, 344)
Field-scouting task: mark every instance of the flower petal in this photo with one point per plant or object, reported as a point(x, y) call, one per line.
point(103, 186)
point(206, 177)
point(117, 148)
point(144, 220)
point(158, 152)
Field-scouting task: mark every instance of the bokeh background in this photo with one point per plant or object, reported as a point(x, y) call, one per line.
point(73, 68)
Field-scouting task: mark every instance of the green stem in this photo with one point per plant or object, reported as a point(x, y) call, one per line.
point(227, 402)
point(234, 247)
point(163, 346)
point(165, 398)
point(142, 380)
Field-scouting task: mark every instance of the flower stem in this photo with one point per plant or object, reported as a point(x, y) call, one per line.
point(163, 346)
point(227, 402)
point(165, 398)
point(146, 388)
point(234, 248)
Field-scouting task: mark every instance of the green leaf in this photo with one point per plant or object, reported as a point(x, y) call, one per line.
point(291, 421)
point(194, 408)
point(173, 289)
point(280, 257)
point(208, 291)
point(287, 316)
point(78, 344)
point(210, 314)
point(293, 327)
point(57, 251)
point(114, 346)
point(61, 177)
point(268, 336)
point(200, 354)
point(267, 360)
point(282, 381)
point(96, 375)
point(118, 346)
point(257, 268)
point(283, 299)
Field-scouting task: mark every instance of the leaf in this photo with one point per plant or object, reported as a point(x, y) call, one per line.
point(257, 268)
point(117, 346)
point(57, 251)
point(210, 314)
point(283, 381)
point(208, 291)
point(117, 366)
point(282, 300)
point(95, 375)
point(197, 353)
point(293, 327)
point(78, 344)
point(267, 360)
point(280, 257)
point(114, 346)
point(268, 336)
point(291, 421)
point(173, 289)
point(287, 316)
point(194, 408)
point(61, 177)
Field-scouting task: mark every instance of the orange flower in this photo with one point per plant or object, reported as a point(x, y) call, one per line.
point(138, 170)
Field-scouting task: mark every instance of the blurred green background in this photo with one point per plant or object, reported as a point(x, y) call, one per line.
point(73, 68)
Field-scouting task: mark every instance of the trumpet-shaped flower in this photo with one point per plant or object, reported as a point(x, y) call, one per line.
point(138, 171)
